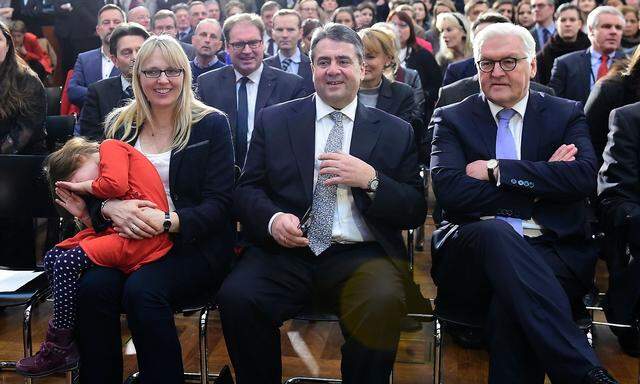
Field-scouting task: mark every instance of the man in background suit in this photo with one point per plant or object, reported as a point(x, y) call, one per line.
point(356, 167)
point(544, 28)
point(512, 169)
point(105, 95)
point(267, 11)
point(95, 65)
point(574, 74)
point(197, 13)
point(287, 31)
point(207, 41)
point(241, 90)
point(164, 22)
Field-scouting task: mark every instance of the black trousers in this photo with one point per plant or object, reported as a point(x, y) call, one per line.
point(148, 296)
point(357, 282)
point(525, 286)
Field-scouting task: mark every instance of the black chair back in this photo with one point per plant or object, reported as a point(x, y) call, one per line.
point(54, 95)
point(23, 188)
point(59, 130)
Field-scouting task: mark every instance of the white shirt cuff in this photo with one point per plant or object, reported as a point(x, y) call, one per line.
point(271, 221)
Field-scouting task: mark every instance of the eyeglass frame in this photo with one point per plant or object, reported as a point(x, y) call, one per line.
point(493, 63)
point(239, 45)
point(146, 71)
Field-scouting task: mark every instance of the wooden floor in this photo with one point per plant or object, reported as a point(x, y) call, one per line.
point(314, 348)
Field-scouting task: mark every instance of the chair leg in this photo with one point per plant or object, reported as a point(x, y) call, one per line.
point(438, 345)
point(204, 350)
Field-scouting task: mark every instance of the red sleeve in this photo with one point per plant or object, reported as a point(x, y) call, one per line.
point(35, 51)
point(113, 181)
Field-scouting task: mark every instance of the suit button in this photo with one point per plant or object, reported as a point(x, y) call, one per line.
point(526, 183)
point(513, 181)
point(531, 184)
point(520, 182)
point(175, 197)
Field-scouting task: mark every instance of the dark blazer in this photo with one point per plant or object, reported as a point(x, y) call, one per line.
point(606, 95)
point(88, 70)
point(278, 174)
point(534, 33)
point(218, 89)
point(459, 70)
point(304, 70)
point(23, 131)
point(397, 99)
point(188, 49)
point(571, 75)
point(103, 97)
point(80, 22)
point(430, 76)
point(552, 193)
point(464, 88)
point(201, 180)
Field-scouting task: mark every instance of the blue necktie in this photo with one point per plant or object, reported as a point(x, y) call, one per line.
point(506, 149)
point(545, 36)
point(242, 125)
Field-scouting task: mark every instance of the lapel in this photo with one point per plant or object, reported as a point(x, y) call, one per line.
point(301, 125)
point(365, 133)
point(114, 93)
point(304, 69)
point(174, 163)
point(531, 126)
point(586, 67)
point(94, 71)
point(265, 87)
point(485, 124)
point(385, 96)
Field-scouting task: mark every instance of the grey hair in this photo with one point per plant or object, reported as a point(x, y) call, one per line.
point(594, 17)
point(209, 21)
point(505, 30)
point(207, 2)
point(338, 33)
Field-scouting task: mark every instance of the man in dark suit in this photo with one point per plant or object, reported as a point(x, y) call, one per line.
point(287, 32)
point(241, 90)
point(197, 13)
point(544, 28)
point(95, 65)
point(574, 74)
point(619, 200)
point(164, 22)
point(207, 41)
point(356, 167)
point(512, 169)
point(105, 95)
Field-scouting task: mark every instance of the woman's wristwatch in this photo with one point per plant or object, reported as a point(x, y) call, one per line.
point(166, 224)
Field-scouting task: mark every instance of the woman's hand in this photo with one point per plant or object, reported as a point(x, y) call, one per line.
point(128, 218)
point(83, 187)
point(72, 203)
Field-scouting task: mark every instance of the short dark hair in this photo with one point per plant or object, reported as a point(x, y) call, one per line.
point(338, 33)
point(111, 7)
point(566, 7)
point(289, 12)
point(194, 3)
point(180, 6)
point(268, 6)
point(125, 29)
point(368, 5)
point(491, 17)
point(163, 14)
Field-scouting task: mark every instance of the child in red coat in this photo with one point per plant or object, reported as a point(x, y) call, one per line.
point(111, 170)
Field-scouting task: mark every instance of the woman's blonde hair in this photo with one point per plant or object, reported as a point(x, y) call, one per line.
point(61, 164)
point(457, 21)
point(187, 111)
point(381, 41)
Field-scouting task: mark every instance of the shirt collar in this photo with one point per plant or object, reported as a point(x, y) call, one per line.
point(520, 107)
point(295, 58)
point(551, 28)
point(209, 64)
point(597, 56)
point(323, 109)
point(125, 83)
point(254, 76)
point(104, 56)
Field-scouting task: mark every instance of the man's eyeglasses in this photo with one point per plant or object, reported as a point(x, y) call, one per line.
point(169, 72)
point(507, 64)
point(239, 45)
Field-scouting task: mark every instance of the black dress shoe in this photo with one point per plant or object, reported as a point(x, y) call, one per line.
point(466, 337)
point(598, 376)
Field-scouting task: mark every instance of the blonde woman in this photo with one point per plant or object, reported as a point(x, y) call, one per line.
point(455, 39)
point(189, 144)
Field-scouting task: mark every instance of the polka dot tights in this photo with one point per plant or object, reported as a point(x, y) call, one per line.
point(63, 268)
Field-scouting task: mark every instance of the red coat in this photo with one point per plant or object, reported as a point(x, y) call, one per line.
point(125, 174)
point(35, 52)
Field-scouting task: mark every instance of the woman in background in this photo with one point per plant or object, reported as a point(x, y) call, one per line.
point(455, 39)
point(344, 16)
point(524, 16)
point(505, 8)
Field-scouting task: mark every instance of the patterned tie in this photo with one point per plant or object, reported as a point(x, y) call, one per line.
point(506, 149)
point(324, 197)
point(242, 125)
point(270, 47)
point(603, 68)
point(285, 64)
point(129, 92)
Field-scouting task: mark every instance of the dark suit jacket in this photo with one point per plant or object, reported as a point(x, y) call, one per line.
point(534, 34)
point(218, 89)
point(459, 70)
point(571, 75)
point(201, 180)
point(188, 49)
point(552, 193)
point(103, 97)
point(88, 70)
point(80, 22)
point(397, 99)
point(304, 70)
point(278, 174)
point(430, 76)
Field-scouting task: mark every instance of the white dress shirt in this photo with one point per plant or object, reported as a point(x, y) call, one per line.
point(252, 96)
point(107, 65)
point(348, 224)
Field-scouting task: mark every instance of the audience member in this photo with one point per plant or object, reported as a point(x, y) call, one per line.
point(183, 22)
point(455, 39)
point(140, 15)
point(106, 95)
point(421, 15)
point(354, 242)
point(544, 28)
point(128, 5)
point(617, 89)
point(505, 8)
point(27, 46)
point(433, 35)
point(241, 90)
point(620, 209)
point(328, 6)
point(197, 13)
point(524, 16)
point(95, 65)
point(213, 10)
point(367, 14)
point(512, 169)
point(267, 11)
point(376, 89)
point(631, 32)
point(573, 75)
point(164, 22)
point(475, 8)
point(75, 25)
point(207, 41)
point(309, 9)
point(568, 38)
point(586, 6)
point(344, 16)
point(308, 27)
point(190, 146)
point(287, 31)
point(233, 7)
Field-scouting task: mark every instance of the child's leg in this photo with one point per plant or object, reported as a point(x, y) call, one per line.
point(66, 273)
point(49, 261)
